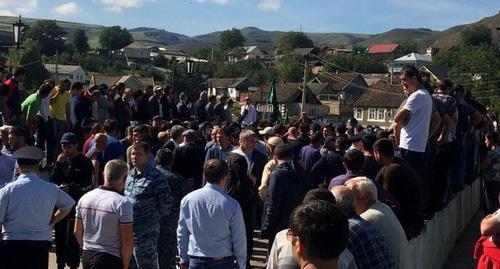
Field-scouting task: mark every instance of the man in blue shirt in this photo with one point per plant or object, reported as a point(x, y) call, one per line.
point(223, 146)
point(27, 214)
point(149, 192)
point(211, 229)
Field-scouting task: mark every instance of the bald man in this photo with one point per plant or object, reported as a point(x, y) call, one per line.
point(96, 155)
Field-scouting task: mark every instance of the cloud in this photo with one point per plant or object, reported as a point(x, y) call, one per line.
point(270, 5)
point(67, 9)
point(220, 2)
point(10, 7)
point(119, 5)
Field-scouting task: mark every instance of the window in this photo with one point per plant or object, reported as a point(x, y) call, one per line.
point(390, 114)
point(358, 113)
point(371, 113)
point(312, 111)
point(380, 114)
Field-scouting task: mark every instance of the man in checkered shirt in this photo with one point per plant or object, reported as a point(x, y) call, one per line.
point(365, 242)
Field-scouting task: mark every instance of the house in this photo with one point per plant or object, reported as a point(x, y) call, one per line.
point(289, 97)
point(378, 104)
point(235, 88)
point(246, 53)
point(74, 73)
point(384, 50)
point(338, 92)
point(169, 53)
point(436, 72)
point(138, 54)
point(332, 50)
point(372, 79)
point(130, 81)
point(416, 59)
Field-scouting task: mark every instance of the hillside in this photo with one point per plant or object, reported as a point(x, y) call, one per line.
point(266, 39)
point(396, 35)
point(256, 36)
point(449, 37)
point(156, 36)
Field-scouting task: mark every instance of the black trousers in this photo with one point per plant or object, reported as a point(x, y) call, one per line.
point(67, 247)
point(45, 138)
point(24, 254)
point(100, 260)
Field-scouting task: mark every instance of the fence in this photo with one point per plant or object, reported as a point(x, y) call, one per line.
point(432, 247)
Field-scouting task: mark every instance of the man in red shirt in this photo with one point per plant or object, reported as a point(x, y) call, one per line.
point(12, 109)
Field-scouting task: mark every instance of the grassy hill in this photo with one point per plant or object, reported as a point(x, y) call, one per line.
point(449, 37)
point(396, 35)
point(266, 39)
point(259, 36)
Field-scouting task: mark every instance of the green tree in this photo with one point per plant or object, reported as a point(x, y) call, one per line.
point(115, 38)
point(289, 41)
point(160, 61)
point(477, 67)
point(475, 35)
point(407, 46)
point(358, 49)
point(31, 60)
point(79, 41)
point(289, 69)
point(48, 35)
point(230, 39)
point(206, 53)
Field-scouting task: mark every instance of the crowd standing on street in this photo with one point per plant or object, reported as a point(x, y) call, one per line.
point(148, 179)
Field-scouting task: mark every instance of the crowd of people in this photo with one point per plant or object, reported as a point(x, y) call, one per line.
point(147, 179)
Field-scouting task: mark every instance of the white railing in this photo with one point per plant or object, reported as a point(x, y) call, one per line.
point(432, 247)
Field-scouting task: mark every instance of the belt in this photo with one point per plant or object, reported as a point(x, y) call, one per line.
point(208, 258)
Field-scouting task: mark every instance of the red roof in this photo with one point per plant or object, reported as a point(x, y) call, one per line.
point(383, 48)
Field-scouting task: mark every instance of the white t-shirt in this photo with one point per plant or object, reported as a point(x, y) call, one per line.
point(102, 211)
point(415, 133)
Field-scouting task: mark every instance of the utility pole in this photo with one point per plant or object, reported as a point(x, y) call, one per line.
point(303, 107)
point(57, 66)
point(173, 75)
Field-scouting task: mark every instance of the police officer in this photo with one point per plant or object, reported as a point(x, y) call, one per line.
point(27, 214)
point(73, 174)
point(149, 192)
point(179, 187)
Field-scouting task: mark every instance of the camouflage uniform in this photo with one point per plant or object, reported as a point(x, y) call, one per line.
point(150, 195)
point(167, 242)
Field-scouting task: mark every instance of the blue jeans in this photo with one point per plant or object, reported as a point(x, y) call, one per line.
point(210, 263)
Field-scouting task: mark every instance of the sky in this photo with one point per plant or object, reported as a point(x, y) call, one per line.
point(195, 17)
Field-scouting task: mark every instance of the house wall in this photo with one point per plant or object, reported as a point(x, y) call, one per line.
point(382, 117)
point(134, 85)
point(77, 76)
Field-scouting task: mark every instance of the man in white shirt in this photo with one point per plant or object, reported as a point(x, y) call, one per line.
point(248, 113)
point(412, 121)
point(104, 222)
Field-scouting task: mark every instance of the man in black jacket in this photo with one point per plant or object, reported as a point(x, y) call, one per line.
point(245, 169)
point(189, 159)
point(73, 174)
point(288, 184)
